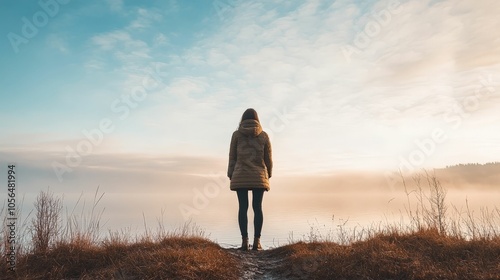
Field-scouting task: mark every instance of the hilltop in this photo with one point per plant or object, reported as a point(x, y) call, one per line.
point(478, 176)
point(424, 254)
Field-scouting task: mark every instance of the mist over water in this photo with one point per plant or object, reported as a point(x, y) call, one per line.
point(289, 214)
point(286, 215)
point(295, 207)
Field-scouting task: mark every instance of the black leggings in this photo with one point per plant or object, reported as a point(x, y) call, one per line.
point(257, 196)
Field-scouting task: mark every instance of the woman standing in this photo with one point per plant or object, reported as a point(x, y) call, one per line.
point(250, 167)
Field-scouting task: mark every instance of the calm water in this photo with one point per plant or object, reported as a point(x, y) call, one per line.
point(286, 215)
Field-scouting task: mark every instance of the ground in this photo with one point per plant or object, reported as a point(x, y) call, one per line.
point(258, 265)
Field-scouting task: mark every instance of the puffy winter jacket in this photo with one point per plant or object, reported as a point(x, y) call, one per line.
point(250, 157)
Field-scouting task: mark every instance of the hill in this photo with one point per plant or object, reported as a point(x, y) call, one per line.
point(471, 175)
point(424, 254)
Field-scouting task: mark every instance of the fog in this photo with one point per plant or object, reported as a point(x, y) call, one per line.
point(141, 192)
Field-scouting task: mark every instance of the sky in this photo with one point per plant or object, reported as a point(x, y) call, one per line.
point(131, 94)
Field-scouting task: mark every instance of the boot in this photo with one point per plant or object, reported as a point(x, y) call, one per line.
point(244, 244)
point(256, 244)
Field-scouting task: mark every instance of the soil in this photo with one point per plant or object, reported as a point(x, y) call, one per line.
point(258, 265)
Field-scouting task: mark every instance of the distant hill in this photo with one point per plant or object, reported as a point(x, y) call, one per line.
point(474, 166)
point(471, 175)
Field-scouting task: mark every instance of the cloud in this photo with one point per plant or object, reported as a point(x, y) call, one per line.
point(94, 64)
point(145, 19)
point(115, 5)
point(286, 59)
point(116, 39)
point(57, 42)
point(128, 55)
point(290, 58)
point(114, 172)
point(160, 40)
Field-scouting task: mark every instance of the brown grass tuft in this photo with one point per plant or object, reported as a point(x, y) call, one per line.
point(170, 258)
point(419, 255)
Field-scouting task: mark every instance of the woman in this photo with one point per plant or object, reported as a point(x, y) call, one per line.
point(250, 167)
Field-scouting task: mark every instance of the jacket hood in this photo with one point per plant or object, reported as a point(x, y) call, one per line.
point(250, 128)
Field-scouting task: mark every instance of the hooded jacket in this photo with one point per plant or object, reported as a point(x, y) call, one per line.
point(250, 157)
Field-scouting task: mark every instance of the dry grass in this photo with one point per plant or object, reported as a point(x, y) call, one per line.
point(46, 225)
point(419, 255)
point(169, 258)
point(74, 249)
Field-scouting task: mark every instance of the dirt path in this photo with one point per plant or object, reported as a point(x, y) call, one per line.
point(258, 265)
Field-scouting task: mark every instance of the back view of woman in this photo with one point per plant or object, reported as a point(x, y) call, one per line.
point(250, 167)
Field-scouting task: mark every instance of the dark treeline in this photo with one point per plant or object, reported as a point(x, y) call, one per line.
point(479, 175)
point(468, 165)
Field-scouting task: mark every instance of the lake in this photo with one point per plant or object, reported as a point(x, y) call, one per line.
point(288, 215)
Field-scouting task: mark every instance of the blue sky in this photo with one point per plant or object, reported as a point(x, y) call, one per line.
point(339, 85)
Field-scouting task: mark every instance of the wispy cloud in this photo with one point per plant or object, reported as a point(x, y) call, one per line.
point(115, 40)
point(145, 18)
point(115, 172)
point(413, 69)
point(160, 40)
point(58, 43)
point(115, 5)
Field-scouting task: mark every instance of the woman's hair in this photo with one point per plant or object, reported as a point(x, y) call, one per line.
point(250, 114)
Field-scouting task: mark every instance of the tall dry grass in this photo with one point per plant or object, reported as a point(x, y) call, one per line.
point(46, 225)
point(22, 229)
